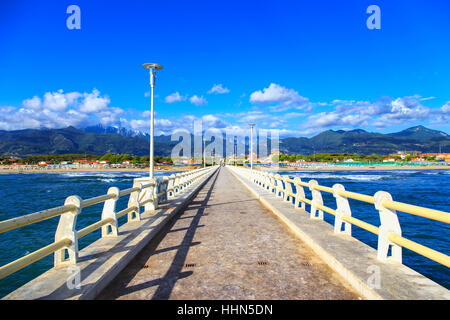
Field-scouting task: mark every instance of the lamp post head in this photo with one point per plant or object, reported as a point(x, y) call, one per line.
point(152, 66)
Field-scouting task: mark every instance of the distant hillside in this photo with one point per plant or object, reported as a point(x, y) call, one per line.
point(420, 133)
point(117, 130)
point(70, 140)
point(359, 141)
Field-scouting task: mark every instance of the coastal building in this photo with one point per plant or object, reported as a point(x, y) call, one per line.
point(409, 153)
point(270, 158)
point(431, 154)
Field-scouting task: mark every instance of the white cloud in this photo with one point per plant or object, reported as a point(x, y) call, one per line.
point(380, 113)
point(198, 101)
point(278, 94)
point(34, 103)
point(218, 89)
point(212, 121)
point(55, 101)
point(175, 97)
point(59, 109)
point(93, 102)
point(442, 115)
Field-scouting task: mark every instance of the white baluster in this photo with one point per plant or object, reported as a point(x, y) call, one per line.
point(67, 230)
point(109, 211)
point(316, 200)
point(389, 223)
point(343, 208)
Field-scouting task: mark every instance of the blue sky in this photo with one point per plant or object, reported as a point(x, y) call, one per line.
point(299, 66)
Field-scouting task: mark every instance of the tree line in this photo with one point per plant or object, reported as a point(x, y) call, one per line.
point(110, 157)
point(338, 157)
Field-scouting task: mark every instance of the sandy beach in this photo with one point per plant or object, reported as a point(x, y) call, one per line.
point(186, 168)
point(354, 168)
point(157, 169)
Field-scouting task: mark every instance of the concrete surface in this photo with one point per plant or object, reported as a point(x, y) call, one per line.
point(100, 262)
point(226, 245)
point(351, 258)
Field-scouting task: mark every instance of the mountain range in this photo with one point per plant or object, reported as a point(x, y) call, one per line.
point(359, 141)
point(100, 140)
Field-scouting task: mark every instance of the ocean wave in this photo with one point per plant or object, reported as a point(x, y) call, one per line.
point(364, 178)
point(330, 176)
point(102, 175)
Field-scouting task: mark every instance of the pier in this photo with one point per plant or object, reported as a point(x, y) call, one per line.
point(226, 245)
point(228, 233)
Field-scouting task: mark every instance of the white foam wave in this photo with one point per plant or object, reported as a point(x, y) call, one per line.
point(103, 175)
point(357, 177)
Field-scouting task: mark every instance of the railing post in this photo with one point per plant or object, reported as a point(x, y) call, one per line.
point(164, 188)
point(343, 207)
point(181, 182)
point(133, 201)
point(300, 192)
point(67, 230)
point(148, 196)
point(176, 184)
point(154, 191)
point(272, 186)
point(279, 189)
point(109, 211)
point(389, 223)
point(266, 181)
point(316, 200)
point(287, 189)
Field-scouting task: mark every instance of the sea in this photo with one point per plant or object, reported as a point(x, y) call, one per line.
point(26, 193)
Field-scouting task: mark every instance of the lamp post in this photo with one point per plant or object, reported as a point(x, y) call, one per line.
point(204, 153)
point(235, 151)
point(251, 144)
point(152, 67)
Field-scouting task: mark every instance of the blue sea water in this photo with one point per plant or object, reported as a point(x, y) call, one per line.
point(30, 192)
point(26, 193)
point(427, 188)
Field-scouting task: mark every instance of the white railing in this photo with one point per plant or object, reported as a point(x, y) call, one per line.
point(389, 232)
point(145, 192)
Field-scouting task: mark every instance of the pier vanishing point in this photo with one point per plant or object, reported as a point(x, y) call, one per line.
point(227, 233)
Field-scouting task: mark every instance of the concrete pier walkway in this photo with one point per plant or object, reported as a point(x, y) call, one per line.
point(226, 245)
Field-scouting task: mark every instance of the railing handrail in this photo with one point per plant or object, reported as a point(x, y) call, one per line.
point(15, 223)
point(384, 204)
point(110, 217)
point(432, 214)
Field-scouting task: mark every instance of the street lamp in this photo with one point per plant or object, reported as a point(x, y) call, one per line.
point(152, 67)
point(251, 144)
point(204, 152)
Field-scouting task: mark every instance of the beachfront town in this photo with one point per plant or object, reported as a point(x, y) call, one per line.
point(411, 158)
